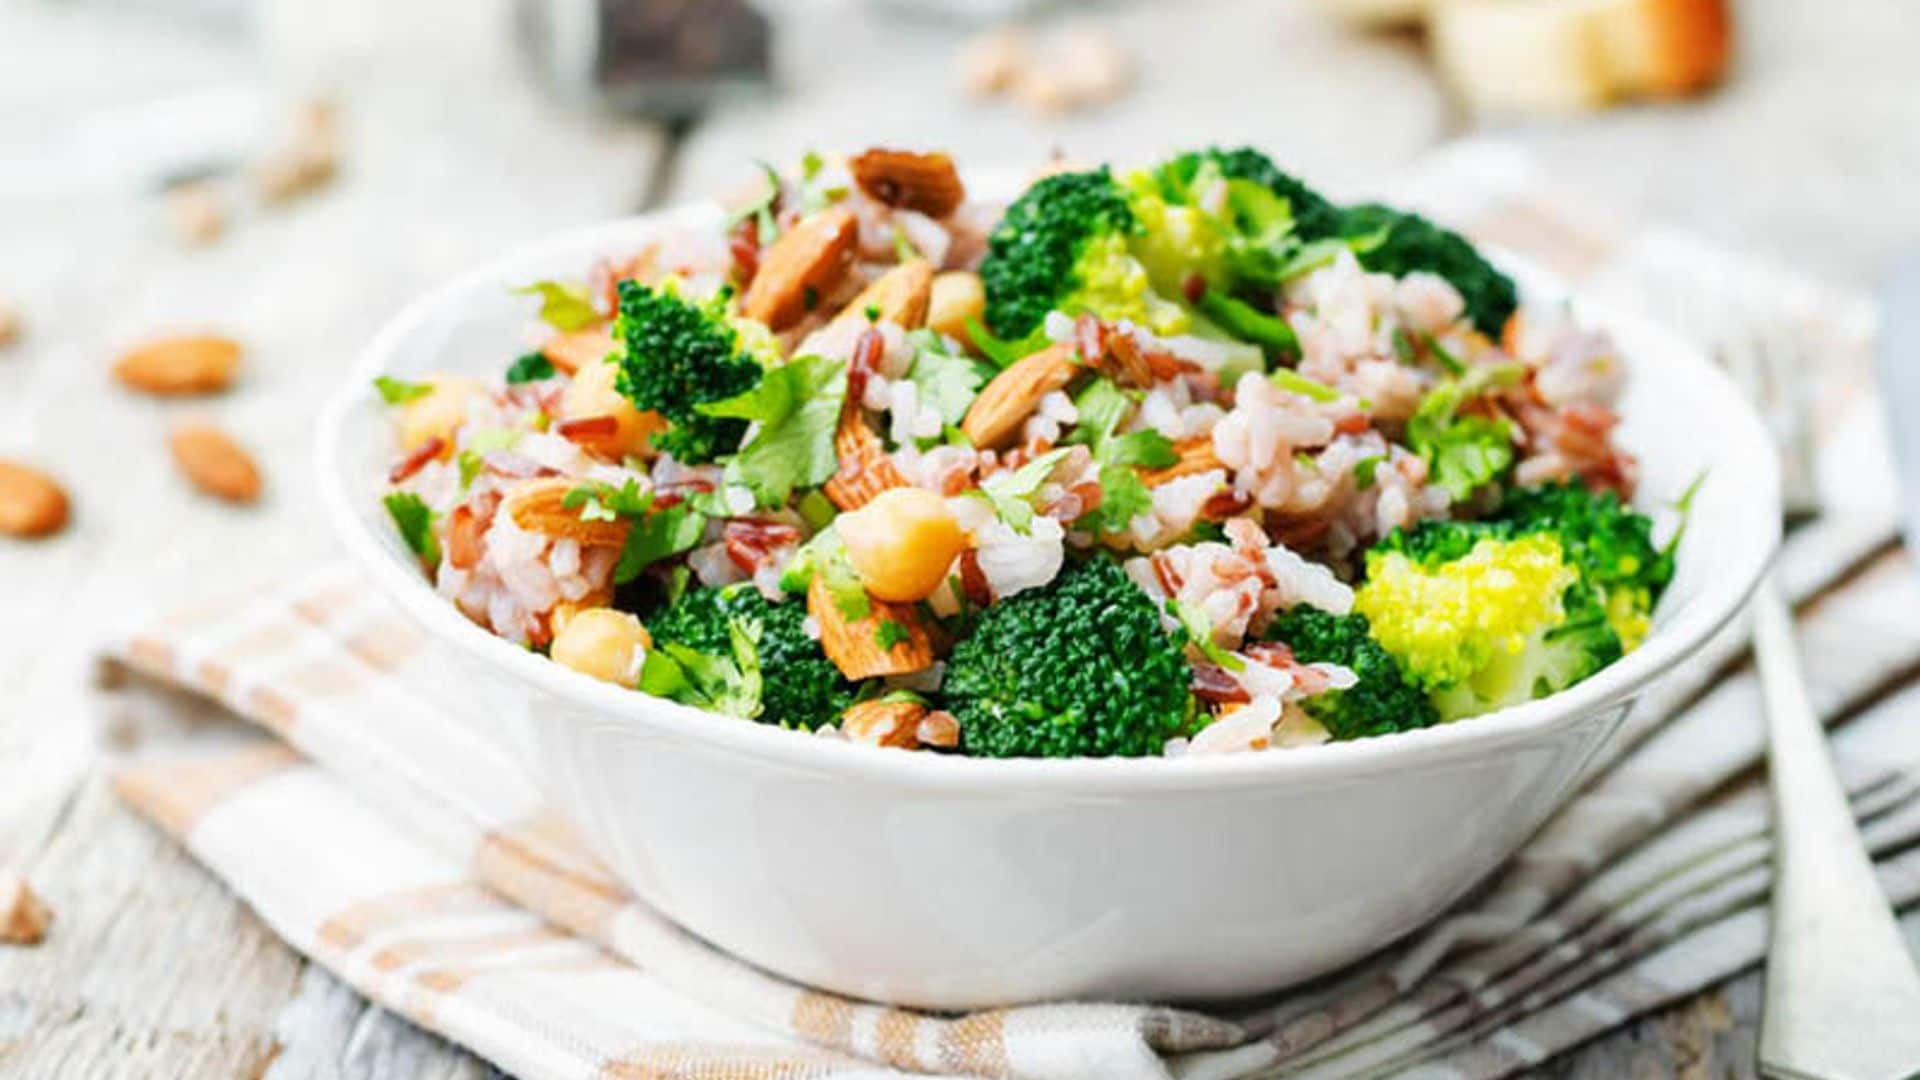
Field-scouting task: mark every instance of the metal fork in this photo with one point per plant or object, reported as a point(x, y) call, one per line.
point(1843, 996)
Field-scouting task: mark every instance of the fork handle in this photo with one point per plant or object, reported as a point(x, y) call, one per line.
point(1843, 998)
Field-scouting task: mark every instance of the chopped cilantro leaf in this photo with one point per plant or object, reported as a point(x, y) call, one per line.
point(564, 307)
point(414, 518)
point(530, 368)
point(398, 391)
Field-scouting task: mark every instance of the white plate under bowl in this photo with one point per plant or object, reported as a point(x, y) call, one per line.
point(948, 882)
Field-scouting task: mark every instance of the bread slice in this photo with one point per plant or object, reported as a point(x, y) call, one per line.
point(1665, 48)
point(1521, 56)
point(1567, 56)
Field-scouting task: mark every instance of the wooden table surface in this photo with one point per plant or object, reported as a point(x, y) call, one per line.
point(152, 969)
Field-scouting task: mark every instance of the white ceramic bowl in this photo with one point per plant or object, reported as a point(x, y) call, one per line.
point(950, 882)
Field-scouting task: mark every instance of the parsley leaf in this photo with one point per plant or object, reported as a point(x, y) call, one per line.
point(414, 518)
point(1148, 449)
point(564, 307)
point(1200, 629)
point(1312, 389)
point(530, 368)
point(1102, 407)
point(1467, 452)
point(948, 383)
point(1123, 497)
point(658, 532)
point(797, 408)
point(398, 391)
point(1011, 493)
point(889, 633)
point(731, 686)
point(1364, 469)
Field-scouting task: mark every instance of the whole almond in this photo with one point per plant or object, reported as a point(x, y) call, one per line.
point(10, 323)
point(1013, 395)
point(899, 296)
point(884, 723)
point(802, 266)
point(539, 505)
point(1196, 456)
point(24, 917)
point(928, 183)
point(31, 502)
point(215, 463)
point(192, 364)
point(854, 644)
point(864, 469)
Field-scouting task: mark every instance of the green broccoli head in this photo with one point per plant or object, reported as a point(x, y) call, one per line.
point(1409, 242)
point(799, 686)
point(1314, 218)
point(1082, 667)
point(678, 355)
point(1380, 703)
point(1610, 544)
point(1508, 621)
point(1063, 246)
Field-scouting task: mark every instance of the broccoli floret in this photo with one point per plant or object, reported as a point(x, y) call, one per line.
point(1610, 544)
point(1380, 703)
point(1409, 242)
point(677, 356)
point(1063, 246)
point(1604, 539)
point(1081, 667)
point(1314, 218)
point(1508, 621)
point(800, 687)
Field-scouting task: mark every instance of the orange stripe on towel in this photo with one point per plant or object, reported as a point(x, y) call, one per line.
point(177, 792)
point(348, 927)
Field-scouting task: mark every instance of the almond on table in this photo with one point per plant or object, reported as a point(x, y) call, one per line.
point(31, 502)
point(180, 366)
point(24, 917)
point(215, 463)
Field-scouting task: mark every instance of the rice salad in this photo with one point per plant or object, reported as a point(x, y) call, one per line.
point(1182, 459)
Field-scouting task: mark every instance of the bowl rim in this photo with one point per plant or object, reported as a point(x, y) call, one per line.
point(1688, 629)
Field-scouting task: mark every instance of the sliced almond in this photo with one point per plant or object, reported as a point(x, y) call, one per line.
point(802, 266)
point(192, 364)
point(31, 502)
point(899, 296)
point(215, 463)
point(940, 728)
point(577, 349)
point(1196, 456)
point(24, 917)
point(1013, 395)
point(539, 506)
point(884, 723)
point(854, 644)
point(865, 468)
point(925, 182)
point(957, 297)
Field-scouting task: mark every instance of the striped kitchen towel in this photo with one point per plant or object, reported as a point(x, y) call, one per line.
point(410, 853)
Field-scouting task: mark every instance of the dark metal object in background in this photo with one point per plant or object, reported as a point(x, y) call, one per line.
point(661, 59)
point(1900, 382)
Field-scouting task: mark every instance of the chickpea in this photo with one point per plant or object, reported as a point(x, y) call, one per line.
point(438, 412)
point(902, 543)
point(606, 644)
point(957, 296)
point(592, 393)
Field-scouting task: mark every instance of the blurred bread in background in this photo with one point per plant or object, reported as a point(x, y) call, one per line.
point(1554, 57)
